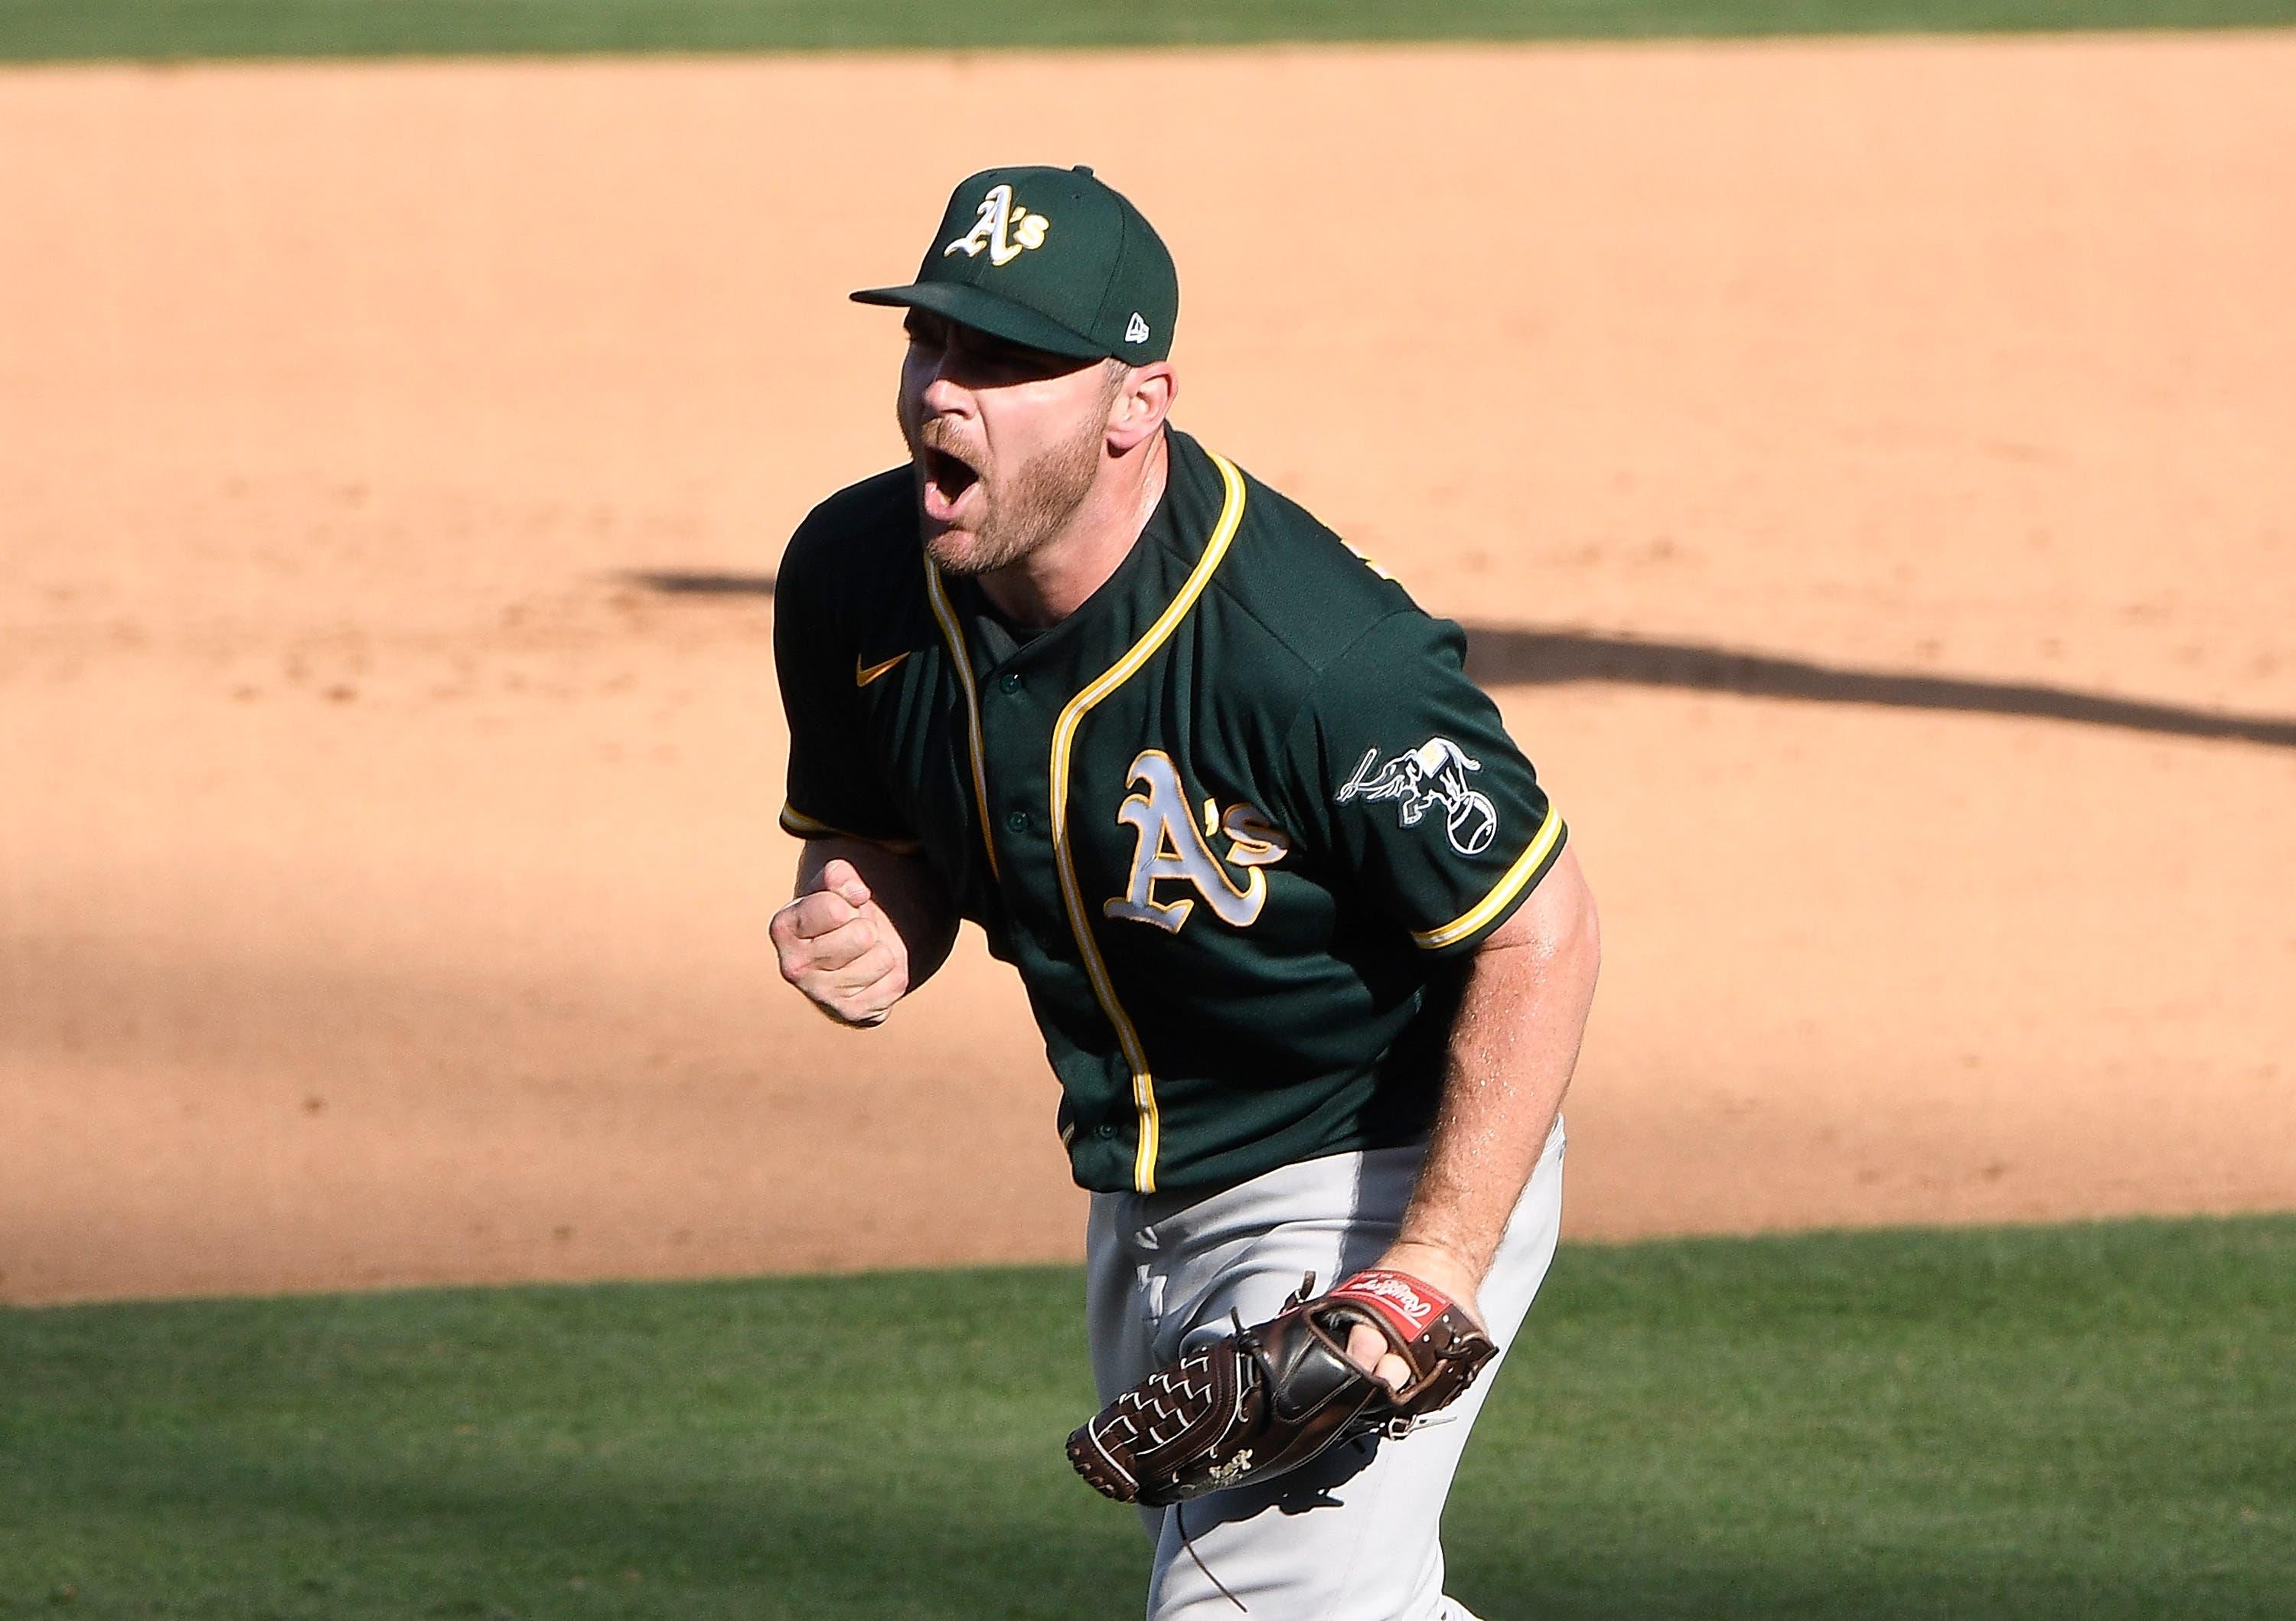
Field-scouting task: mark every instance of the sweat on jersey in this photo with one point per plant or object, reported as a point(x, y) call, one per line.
point(1228, 819)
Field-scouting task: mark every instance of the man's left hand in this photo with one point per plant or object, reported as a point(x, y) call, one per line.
point(1431, 1265)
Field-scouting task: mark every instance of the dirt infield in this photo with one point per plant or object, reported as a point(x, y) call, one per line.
point(393, 461)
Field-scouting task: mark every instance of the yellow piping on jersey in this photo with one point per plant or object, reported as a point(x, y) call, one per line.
point(1502, 892)
point(954, 636)
point(1064, 730)
point(795, 821)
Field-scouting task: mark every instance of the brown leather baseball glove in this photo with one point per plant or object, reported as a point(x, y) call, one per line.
point(1267, 1399)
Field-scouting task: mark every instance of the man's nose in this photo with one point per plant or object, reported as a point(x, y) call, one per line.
point(943, 396)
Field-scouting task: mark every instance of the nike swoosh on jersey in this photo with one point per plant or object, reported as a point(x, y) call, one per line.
point(864, 674)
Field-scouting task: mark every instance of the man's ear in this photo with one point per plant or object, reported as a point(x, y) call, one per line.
point(1142, 402)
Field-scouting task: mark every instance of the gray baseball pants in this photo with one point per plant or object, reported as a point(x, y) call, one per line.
point(1353, 1536)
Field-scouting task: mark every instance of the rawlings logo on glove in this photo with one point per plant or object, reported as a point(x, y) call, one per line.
point(1268, 1399)
point(1391, 1291)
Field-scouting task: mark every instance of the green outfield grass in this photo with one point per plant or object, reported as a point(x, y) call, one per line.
point(2094, 1420)
point(48, 29)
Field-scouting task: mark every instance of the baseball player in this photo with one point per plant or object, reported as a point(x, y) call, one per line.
point(1309, 956)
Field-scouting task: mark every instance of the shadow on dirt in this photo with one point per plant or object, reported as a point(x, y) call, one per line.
point(1499, 656)
point(1505, 656)
point(680, 582)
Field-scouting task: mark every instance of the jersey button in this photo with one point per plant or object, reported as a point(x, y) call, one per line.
point(1016, 822)
point(1009, 681)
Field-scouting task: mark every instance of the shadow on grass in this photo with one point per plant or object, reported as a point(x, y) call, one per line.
point(827, 1545)
point(821, 1541)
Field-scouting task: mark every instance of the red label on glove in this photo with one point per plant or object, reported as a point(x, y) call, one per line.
point(1403, 1300)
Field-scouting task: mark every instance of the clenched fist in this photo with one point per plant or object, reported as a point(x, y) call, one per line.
point(838, 947)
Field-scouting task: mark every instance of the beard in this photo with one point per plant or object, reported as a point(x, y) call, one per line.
point(1020, 509)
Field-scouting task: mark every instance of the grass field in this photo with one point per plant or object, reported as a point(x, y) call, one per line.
point(2094, 1420)
point(53, 30)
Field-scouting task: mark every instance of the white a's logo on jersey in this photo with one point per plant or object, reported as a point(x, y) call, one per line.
point(1433, 774)
point(1168, 849)
point(1005, 229)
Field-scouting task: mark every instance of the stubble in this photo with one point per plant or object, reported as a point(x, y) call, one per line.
point(1031, 504)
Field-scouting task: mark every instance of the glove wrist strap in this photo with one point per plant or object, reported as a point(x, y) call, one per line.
point(1404, 1302)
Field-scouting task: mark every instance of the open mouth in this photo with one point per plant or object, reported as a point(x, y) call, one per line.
point(947, 477)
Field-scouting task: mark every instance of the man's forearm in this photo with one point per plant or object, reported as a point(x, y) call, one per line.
point(1514, 1045)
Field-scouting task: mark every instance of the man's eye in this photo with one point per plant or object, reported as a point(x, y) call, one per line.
point(1022, 362)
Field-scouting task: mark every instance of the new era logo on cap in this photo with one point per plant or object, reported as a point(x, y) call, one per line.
point(1136, 329)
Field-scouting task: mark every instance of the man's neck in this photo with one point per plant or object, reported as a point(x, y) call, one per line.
point(1053, 581)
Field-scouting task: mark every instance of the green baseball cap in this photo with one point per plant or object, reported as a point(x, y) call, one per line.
point(1051, 257)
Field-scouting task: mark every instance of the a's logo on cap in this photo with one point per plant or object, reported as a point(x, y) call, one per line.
point(1005, 230)
point(1136, 331)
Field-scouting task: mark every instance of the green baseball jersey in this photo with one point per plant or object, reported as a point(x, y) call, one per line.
point(1228, 819)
